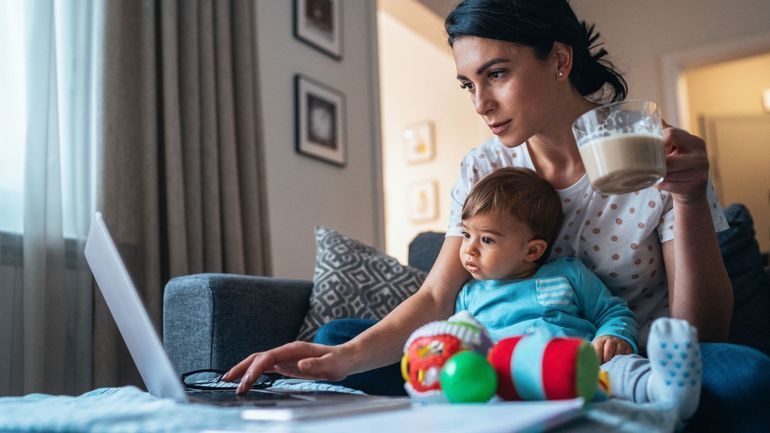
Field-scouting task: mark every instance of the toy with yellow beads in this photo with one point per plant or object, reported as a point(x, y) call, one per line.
point(432, 345)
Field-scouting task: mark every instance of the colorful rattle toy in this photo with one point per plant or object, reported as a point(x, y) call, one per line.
point(432, 345)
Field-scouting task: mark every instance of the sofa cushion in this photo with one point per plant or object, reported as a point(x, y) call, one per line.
point(352, 279)
point(424, 249)
point(751, 289)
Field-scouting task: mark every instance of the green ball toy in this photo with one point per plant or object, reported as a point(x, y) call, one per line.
point(468, 377)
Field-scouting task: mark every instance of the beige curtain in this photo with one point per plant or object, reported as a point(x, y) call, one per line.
point(181, 185)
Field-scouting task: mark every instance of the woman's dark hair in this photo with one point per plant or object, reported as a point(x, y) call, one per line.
point(538, 24)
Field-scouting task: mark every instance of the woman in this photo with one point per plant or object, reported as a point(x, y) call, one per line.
point(531, 68)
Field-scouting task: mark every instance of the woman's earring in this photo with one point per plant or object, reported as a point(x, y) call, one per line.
point(561, 73)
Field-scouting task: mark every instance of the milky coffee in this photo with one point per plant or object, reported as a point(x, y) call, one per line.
point(624, 163)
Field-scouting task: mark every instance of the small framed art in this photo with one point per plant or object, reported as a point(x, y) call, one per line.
point(319, 120)
point(418, 142)
point(319, 24)
point(423, 201)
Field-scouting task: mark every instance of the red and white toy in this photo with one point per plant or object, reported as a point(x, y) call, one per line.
point(430, 346)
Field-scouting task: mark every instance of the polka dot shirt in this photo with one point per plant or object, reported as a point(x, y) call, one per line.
point(618, 237)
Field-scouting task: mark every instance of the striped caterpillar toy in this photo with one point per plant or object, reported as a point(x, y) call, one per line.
point(537, 367)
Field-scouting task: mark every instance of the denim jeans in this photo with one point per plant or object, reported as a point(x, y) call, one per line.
point(381, 381)
point(735, 395)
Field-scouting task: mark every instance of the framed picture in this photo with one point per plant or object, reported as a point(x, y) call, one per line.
point(319, 120)
point(418, 142)
point(319, 24)
point(423, 201)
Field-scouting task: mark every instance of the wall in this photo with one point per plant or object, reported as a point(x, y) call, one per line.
point(417, 83)
point(639, 33)
point(304, 192)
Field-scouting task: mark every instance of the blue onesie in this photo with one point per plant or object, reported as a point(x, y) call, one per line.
point(563, 298)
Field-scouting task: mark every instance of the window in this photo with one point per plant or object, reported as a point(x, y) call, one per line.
point(13, 110)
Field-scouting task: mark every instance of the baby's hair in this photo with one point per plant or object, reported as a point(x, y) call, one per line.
point(538, 24)
point(523, 195)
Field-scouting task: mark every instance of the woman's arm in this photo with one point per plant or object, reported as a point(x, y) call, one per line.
point(698, 285)
point(380, 345)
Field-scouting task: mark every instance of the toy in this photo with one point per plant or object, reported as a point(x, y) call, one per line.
point(467, 377)
point(445, 361)
point(422, 363)
point(541, 367)
point(430, 346)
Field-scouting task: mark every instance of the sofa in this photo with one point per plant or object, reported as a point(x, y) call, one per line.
point(215, 320)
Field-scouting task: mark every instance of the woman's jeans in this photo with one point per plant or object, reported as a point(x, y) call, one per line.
point(381, 381)
point(735, 395)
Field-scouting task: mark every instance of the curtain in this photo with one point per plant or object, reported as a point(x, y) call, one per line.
point(181, 184)
point(46, 340)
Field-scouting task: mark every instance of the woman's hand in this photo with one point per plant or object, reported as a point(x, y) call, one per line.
point(298, 359)
point(687, 165)
point(607, 346)
point(378, 346)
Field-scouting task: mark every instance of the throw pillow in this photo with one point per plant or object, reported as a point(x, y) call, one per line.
point(352, 279)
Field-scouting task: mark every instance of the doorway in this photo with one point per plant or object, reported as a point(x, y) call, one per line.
point(724, 105)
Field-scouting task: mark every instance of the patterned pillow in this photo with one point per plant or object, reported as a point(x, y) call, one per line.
point(354, 280)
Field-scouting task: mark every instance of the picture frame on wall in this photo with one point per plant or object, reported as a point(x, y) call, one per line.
point(318, 23)
point(423, 201)
point(319, 121)
point(419, 143)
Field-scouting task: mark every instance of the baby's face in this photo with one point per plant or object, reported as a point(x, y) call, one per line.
point(495, 247)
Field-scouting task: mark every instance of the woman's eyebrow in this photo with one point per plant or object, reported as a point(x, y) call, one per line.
point(485, 66)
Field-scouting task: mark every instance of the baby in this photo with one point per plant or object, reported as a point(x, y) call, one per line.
point(509, 220)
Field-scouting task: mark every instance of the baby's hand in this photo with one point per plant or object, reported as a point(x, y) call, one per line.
point(607, 347)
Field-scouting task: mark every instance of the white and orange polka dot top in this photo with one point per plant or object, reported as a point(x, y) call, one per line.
point(618, 237)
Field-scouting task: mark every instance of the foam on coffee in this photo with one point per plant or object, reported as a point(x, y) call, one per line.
point(623, 163)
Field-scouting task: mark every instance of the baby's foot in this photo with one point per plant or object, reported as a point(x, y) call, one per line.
point(674, 354)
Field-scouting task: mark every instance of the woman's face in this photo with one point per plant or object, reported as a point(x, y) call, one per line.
point(514, 91)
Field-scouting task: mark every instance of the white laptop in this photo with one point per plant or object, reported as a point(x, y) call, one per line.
point(155, 366)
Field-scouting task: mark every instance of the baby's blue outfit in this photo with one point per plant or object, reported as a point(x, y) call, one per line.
point(563, 298)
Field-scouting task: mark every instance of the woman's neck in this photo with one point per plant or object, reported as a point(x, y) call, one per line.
point(553, 150)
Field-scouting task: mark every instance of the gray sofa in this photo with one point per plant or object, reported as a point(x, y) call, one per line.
point(215, 320)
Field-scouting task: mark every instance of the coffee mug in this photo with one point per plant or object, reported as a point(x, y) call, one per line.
point(621, 145)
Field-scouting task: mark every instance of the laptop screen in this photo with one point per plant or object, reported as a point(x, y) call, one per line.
point(130, 315)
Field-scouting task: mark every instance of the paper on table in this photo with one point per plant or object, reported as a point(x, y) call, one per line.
point(502, 417)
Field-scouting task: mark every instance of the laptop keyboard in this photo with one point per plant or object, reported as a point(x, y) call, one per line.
point(264, 397)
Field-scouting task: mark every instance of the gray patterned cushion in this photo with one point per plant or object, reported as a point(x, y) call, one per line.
point(354, 280)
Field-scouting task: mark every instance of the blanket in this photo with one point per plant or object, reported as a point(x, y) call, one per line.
point(129, 409)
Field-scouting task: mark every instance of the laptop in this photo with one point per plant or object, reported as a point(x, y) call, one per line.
point(157, 372)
